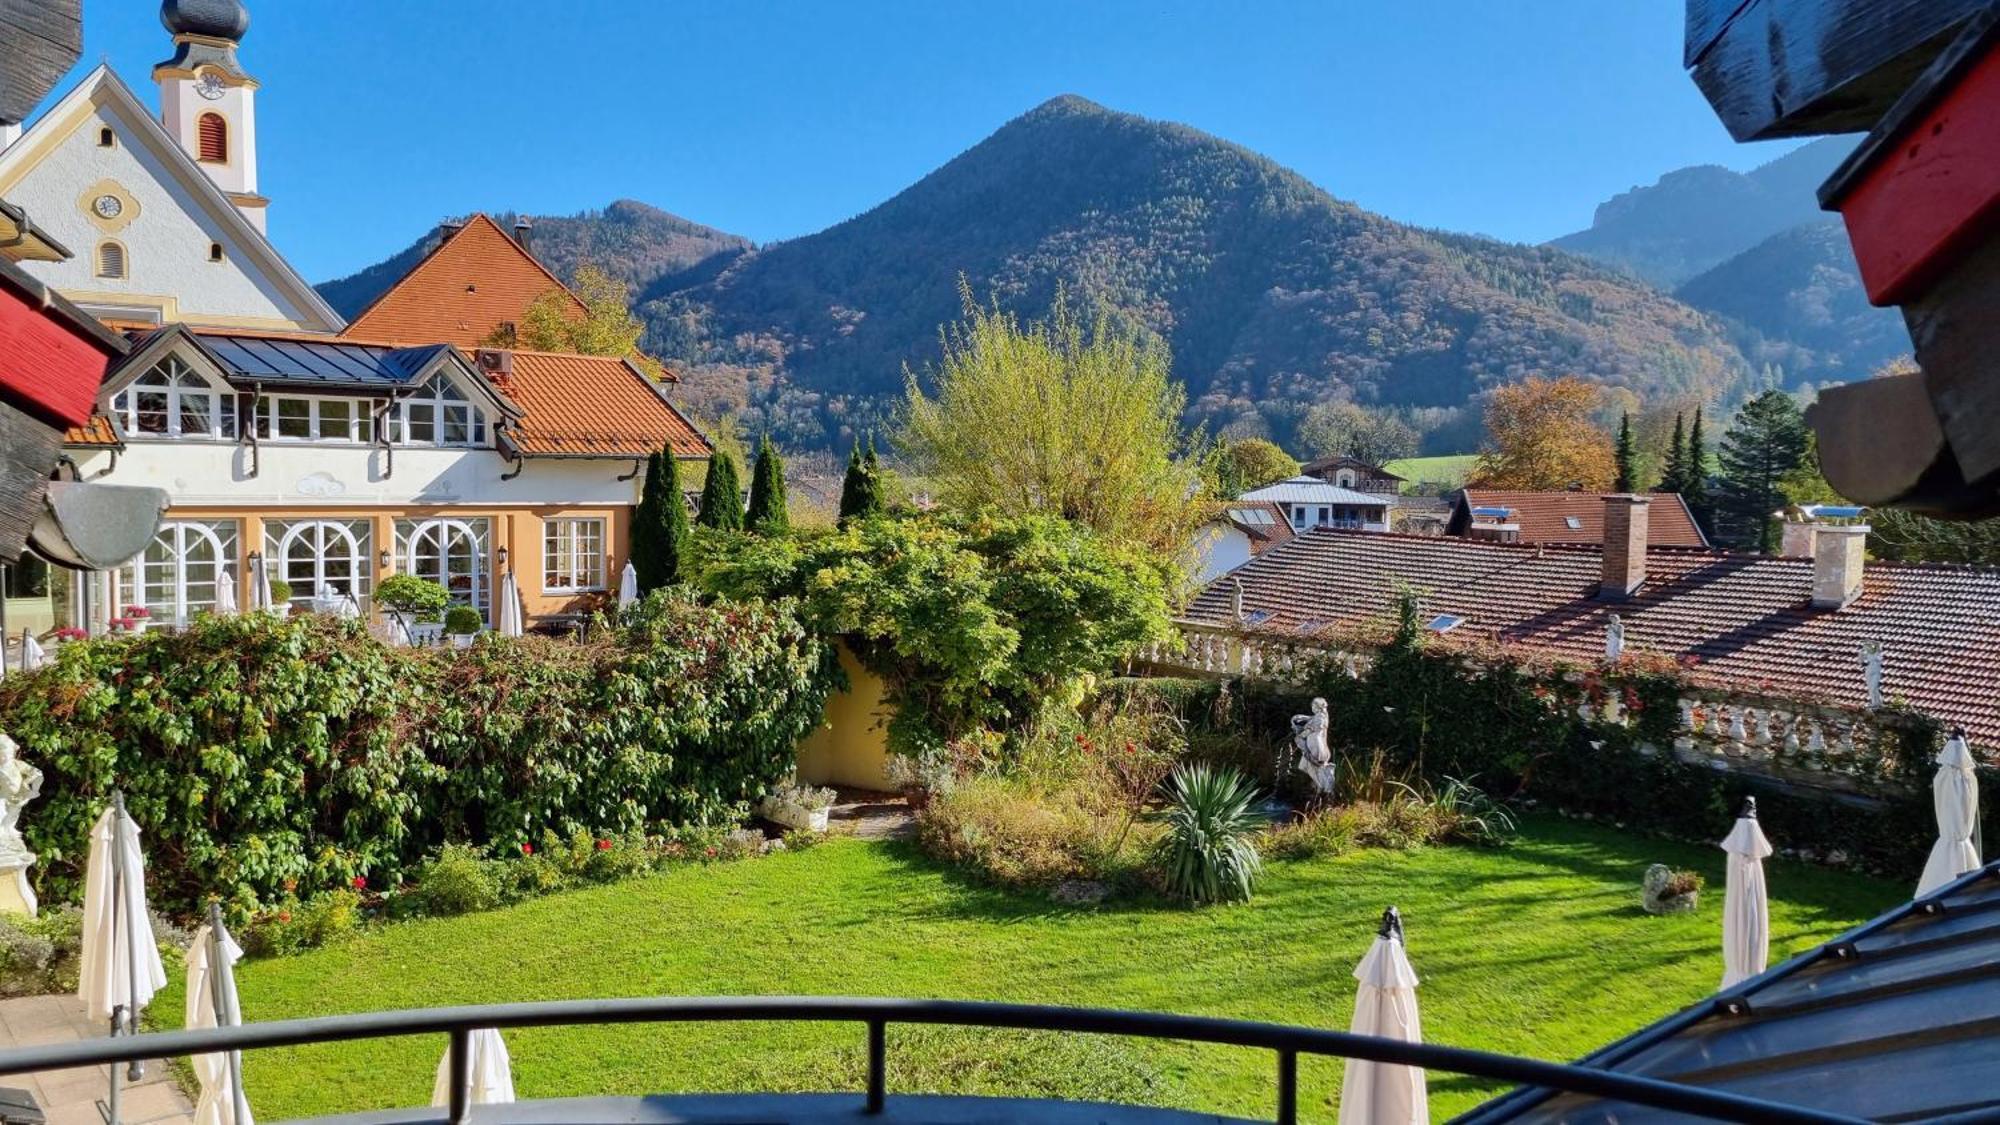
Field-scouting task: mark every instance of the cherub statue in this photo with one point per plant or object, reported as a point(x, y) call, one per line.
point(1614, 639)
point(1315, 759)
point(20, 783)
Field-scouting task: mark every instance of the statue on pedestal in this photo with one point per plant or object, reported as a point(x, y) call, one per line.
point(1315, 759)
point(20, 783)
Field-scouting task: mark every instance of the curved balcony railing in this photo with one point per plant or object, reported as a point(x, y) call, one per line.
point(1287, 1044)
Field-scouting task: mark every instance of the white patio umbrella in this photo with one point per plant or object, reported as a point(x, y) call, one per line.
point(225, 593)
point(1385, 1005)
point(509, 624)
point(628, 586)
point(1955, 794)
point(1746, 916)
point(32, 655)
point(399, 633)
point(348, 607)
point(212, 1002)
point(491, 1075)
point(120, 962)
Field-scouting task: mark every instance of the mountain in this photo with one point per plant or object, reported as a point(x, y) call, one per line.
point(634, 242)
point(1795, 300)
point(1271, 293)
point(1694, 219)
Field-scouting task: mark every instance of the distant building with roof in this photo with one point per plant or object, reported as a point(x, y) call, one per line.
point(1309, 502)
point(470, 290)
point(1569, 517)
point(1354, 473)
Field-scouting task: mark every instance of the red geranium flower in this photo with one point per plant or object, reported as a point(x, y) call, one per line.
point(604, 845)
point(361, 882)
point(527, 849)
point(710, 852)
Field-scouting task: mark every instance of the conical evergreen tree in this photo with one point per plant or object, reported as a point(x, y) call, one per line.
point(722, 494)
point(861, 492)
point(1694, 489)
point(1673, 474)
point(768, 513)
point(676, 534)
point(1627, 457)
point(649, 529)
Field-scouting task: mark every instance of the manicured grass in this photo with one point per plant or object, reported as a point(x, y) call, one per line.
point(1539, 949)
point(1450, 470)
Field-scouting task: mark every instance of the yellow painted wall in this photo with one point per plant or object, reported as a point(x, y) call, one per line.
point(851, 747)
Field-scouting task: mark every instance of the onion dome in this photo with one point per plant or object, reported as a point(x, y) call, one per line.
point(213, 19)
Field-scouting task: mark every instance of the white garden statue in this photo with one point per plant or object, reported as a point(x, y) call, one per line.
point(1614, 640)
point(1871, 672)
point(1309, 737)
point(20, 783)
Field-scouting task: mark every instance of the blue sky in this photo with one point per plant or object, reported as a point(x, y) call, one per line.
point(379, 117)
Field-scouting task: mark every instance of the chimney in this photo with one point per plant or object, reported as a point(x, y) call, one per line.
point(450, 227)
point(1627, 519)
point(524, 233)
point(1840, 552)
point(1801, 537)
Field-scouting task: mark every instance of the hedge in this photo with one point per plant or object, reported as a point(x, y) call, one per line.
point(265, 758)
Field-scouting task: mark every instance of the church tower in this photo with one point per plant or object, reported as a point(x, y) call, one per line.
point(207, 101)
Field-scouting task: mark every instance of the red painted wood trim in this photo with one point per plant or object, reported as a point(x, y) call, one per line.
point(47, 368)
point(1933, 195)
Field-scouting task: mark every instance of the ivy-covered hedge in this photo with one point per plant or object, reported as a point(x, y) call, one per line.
point(264, 758)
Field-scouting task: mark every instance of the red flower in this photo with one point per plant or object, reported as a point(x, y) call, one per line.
point(361, 882)
point(283, 915)
point(604, 845)
point(1131, 749)
point(527, 849)
point(710, 852)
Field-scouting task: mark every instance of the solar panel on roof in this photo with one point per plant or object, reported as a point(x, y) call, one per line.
point(306, 361)
point(1493, 513)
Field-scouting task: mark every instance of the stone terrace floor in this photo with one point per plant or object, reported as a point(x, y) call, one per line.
point(71, 1097)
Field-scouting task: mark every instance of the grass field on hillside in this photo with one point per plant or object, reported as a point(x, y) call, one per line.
point(1449, 471)
point(1538, 949)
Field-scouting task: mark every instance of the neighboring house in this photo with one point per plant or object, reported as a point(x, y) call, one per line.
point(1793, 627)
point(1309, 502)
point(473, 286)
point(1234, 535)
point(1354, 473)
point(1514, 516)
point(162, 212)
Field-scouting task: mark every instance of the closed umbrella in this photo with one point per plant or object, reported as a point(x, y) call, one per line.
point(212, 1002)
point(490, 1075)
point(260, 584)
point(399, 633)
point(225, 593)
point(348, 607)
point(1373, 1093)
point(120, 962)
point(32, 655)
point(1746, 914)
point(628, 586)
point(1955, 793)
point(509, 622)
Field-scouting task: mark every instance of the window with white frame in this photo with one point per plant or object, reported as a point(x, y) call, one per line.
point(172, 400)
point(182, 570)
point(315, 557)
point(437, 413)
point(572, 555)
point(450, 552)
point(318, 418)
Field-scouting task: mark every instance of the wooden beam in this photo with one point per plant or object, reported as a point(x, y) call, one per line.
point(39, 41)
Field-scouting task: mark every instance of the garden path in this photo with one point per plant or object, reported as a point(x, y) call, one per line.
point(871, 815)
point(70, 1097)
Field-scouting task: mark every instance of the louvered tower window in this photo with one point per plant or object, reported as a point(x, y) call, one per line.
point(110, 260)
point(213, 138)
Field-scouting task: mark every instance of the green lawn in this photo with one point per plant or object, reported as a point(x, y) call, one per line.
point(1539, 949)
point(1450, 470)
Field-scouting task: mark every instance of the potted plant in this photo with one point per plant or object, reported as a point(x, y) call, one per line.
point(793, 805)
point(136, 617)
point(281, 597)
point(1669, 890)
point(413, 600)
point(462, 623)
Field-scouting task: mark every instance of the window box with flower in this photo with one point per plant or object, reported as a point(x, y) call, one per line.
point(792, 805)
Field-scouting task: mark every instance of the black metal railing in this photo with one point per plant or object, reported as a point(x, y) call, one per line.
point(1288, 1043)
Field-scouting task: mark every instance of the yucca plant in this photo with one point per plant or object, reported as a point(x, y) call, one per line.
point(1209, 852)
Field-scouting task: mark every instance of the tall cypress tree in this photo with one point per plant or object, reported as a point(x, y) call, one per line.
point(1627, 456)
point(676, 535)
point(649, 529)
point(1694, 489)
point(768, 513)
point(861, 491)
point(1673, 475)
point(722, 494)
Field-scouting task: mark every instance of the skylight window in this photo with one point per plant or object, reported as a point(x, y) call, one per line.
point(1573, 523)
point(1258, 617)
point(1445, 623)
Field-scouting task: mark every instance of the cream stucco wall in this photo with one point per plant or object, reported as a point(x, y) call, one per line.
point(851, 747)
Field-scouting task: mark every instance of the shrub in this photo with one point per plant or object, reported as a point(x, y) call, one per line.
point(1209, 852)
point(1320, 833)
point(1682, 882)
point(462, 620)
point(294, 926)
point(998, 830)
point(281, 593)
point(457, 881)
point(417, 599)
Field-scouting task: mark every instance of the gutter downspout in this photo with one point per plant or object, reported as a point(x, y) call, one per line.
point(247, 433)
point(638, 466)
point(382, 436)
point(519, 459)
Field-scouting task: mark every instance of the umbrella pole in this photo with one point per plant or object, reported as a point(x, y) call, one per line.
point(137, 1069)
point(225, 1013)
point(117, 911)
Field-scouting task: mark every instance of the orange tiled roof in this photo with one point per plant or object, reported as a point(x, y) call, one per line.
point(1746, 620)
point(594, 406)
point(475, 281)
point(96, 433)
point(1545, 516)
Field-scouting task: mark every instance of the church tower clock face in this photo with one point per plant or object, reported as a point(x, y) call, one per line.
point(108, 206)
point(211, 86)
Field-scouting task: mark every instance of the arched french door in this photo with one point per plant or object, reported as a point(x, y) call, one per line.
point(451, 553)
point(178, 574)
point(316, 555)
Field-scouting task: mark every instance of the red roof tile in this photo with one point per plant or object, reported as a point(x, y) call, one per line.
point(585, 406)
point(1545, 516)
point(476, 280)
point(1746, 619)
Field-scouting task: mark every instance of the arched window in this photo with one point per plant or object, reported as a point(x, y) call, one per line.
point(451, 553)
point(110, 260)
point(438, 413)
point(172, 400)
point(181, 571)
point(106, 138)
point(315, 556)
point(212, 138)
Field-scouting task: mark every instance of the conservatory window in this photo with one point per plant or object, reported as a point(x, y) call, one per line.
point(180, 572)
point(451, 553)
point(572, 555)
point(438, 413)
point(172, 400)
point(315, 556)
point(314, 419)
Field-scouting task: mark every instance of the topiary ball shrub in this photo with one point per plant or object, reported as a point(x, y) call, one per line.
point(1209, 852)
point(462, 620)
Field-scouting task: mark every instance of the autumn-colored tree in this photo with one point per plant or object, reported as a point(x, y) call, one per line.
point(1541, 434)
point(1250, 463)
point(606, 326)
